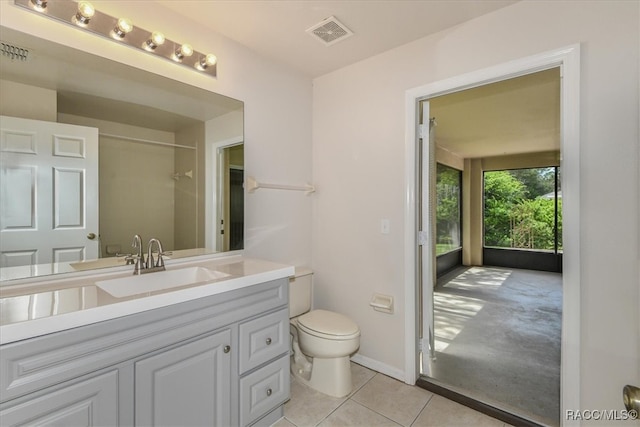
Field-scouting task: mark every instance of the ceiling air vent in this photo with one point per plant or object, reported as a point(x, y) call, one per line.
point(13, 52)
point(330, 31)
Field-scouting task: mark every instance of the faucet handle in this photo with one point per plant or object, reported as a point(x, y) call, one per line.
point(130, 259)
point(156, 262)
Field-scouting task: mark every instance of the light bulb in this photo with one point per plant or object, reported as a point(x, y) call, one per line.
point(123, 27)
point(157, 38)
point(39, 5)
point(85, 13)
point(207, 61)
point(183, 51)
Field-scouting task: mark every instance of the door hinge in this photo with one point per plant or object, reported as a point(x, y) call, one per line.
point(423, 131)
point(423, 238)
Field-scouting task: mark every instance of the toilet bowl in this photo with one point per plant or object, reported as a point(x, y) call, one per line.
point(322, 342)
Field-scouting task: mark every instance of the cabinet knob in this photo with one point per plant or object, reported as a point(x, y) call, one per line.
point(269, 391)
point(268, 341)
point(227, 348)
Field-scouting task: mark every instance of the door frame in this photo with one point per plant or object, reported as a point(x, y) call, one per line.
point(212, 190)
point(568, 59)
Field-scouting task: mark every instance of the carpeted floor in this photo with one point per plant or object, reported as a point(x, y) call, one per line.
point(498, 338)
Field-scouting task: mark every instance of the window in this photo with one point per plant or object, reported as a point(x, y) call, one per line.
point(448, 218)
point(523, 209)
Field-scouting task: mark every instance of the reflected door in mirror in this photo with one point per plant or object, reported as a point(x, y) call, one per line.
point(48, 192)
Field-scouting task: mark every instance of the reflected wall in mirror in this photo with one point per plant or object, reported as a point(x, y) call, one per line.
point(93, 151)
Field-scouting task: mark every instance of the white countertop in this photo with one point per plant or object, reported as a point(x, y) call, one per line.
point(28, 309)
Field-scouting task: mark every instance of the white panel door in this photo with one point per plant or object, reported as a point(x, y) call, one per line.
point(48, 192)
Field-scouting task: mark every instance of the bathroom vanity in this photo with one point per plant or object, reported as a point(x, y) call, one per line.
point(211, 352)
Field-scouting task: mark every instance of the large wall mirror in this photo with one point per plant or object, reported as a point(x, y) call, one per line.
point(93, 151)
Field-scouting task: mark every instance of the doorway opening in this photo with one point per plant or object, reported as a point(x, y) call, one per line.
point(224, 201)
point(231, 201)
point(494, 329)
point(564, 63)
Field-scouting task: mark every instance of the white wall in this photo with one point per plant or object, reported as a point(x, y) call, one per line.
point(358, 149)
point(277, 114)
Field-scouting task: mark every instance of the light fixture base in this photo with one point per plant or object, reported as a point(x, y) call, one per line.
point(104, 25)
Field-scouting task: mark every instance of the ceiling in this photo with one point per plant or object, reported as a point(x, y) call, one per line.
point(520, 115)
point(516, 116)
point(276, 29)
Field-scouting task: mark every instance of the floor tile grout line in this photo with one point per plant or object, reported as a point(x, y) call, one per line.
point(363, 384)
point(331, 412)
point(348, 397)
point(356, 390)
point(373, 410)
point(421, 410)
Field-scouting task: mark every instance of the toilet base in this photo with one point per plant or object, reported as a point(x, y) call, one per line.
point(329, 376)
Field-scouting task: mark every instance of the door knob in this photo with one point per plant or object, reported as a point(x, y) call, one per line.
point(631, 398)
point(91, 236)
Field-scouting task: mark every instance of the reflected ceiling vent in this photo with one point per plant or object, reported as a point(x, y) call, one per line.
point(13, 52)
point(330, 31)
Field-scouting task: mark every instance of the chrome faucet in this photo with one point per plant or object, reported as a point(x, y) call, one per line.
point(149, 265)
point(158, 265)
point(140, 264)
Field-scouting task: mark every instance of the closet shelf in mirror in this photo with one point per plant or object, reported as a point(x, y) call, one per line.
point(146, 141)
point(253, 185)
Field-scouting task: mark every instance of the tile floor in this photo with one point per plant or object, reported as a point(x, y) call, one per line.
point(377, 400)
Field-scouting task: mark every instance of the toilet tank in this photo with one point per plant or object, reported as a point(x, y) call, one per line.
point(300, 292)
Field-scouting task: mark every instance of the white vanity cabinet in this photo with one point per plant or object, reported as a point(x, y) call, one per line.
point(92, 401)
point(220, 360)
point(186, 385)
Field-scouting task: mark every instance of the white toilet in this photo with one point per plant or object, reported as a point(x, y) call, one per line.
point(322, 341)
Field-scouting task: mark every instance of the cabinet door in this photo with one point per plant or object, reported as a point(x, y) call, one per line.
point(189, 385)
point(92, 402)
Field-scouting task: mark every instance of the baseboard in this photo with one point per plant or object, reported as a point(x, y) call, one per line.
point(375, 365)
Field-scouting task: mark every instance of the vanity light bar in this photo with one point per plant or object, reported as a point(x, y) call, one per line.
point(84, 16)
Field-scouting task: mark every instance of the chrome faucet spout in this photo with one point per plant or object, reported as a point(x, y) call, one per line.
point(159, 263)
point(140, 263)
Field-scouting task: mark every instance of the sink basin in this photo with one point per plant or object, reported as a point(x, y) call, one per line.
point(158, 281)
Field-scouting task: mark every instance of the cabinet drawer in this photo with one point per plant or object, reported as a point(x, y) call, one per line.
point(264, 390)
point(263, 339)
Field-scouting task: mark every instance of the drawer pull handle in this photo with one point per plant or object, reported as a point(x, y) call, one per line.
point(269, 391)
point(227, 348)
point(268, 341)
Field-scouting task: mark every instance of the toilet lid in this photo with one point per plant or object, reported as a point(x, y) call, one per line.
point(322, 322)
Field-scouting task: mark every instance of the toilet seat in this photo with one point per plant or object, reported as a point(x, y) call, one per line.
point(328, 325)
